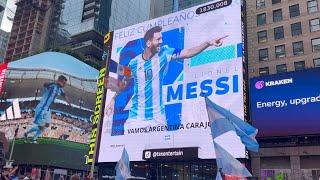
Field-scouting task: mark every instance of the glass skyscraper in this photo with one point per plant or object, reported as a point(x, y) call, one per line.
point(2, 8)
point(4, 36)
point(170, 6)
point(79, 16)
point(71, 18)
point(128, 12)
point(85, 22)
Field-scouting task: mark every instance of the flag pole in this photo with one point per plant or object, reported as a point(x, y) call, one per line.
point(13, 142)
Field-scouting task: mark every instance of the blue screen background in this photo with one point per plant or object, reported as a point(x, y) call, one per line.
point(291, 119)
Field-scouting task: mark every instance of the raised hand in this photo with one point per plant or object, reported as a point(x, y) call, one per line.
point(218, 41)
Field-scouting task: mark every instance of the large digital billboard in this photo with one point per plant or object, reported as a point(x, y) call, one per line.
point(159, 73)
point(286, 104)
point(44, 97)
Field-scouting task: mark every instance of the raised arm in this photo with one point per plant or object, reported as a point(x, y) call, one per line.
point(65, 97)
point(188, 53)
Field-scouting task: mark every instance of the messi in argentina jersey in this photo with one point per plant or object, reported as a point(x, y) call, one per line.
point(148, 75)
point(50, 92)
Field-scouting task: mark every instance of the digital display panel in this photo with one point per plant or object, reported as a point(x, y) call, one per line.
point(159, 73)
point(286, 104)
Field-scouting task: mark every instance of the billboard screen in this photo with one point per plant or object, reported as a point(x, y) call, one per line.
point(159, 73)
point(45, 97)
point(286, 104)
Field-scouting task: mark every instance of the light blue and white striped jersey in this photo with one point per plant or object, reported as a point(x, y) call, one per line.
point(148, 75)
point(50, 92)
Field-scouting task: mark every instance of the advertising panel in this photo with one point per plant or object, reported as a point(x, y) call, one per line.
point(159, 73)
point(286, 104)
point(3, 68)
point(45, 99)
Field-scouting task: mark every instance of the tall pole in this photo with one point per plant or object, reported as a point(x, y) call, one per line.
point(175, 5)
point(13, 142)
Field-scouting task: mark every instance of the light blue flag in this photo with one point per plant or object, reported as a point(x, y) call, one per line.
point(244, 130)
point(247, 128)
point(220, 126)
point(228, 164)
point(219, 177)
point(249, 142)
point(123, 167)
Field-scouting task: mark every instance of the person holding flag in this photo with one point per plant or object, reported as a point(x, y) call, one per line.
point(223, 122)
point(123, 171)
point(123, 166)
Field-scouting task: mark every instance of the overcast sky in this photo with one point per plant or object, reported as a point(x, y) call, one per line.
point(6, 25)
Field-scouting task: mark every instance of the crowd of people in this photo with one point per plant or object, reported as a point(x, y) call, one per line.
point(76, 113)
point(62, 127)
point(10, 172)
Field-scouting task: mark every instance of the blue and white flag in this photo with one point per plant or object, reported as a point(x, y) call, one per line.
point(219, 177)
point(224, 122)
point(230, 122)
point(228, 164)
point(123, 167)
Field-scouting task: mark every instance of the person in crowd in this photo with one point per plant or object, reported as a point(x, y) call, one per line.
point(75, 177)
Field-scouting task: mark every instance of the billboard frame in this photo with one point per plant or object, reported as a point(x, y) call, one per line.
point(108, 40)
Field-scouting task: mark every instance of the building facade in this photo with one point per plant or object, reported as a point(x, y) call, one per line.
point(283, 36)
point(83, 23)
point(80, 16)
point(4, 36)
point(2, 8)
point(128, 12)
point(164, 7)
point(8, 15)
point(30, 28)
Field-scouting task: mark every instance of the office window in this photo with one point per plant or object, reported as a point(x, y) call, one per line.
point(315, 24)
point(315, 174)
point(312, 6)
point(296, 29)
point(276, 1)
point(261, 4)
point(315, 45)
point(264, 71)
point(277, 15)
point(281, 68)
point(280, 51)
point(294, 10)
point(262, 36)
point(300, 65)
point(261, 19)
point(263, 54)
point(316, 62)
point(278, 33)
point(297, 48)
